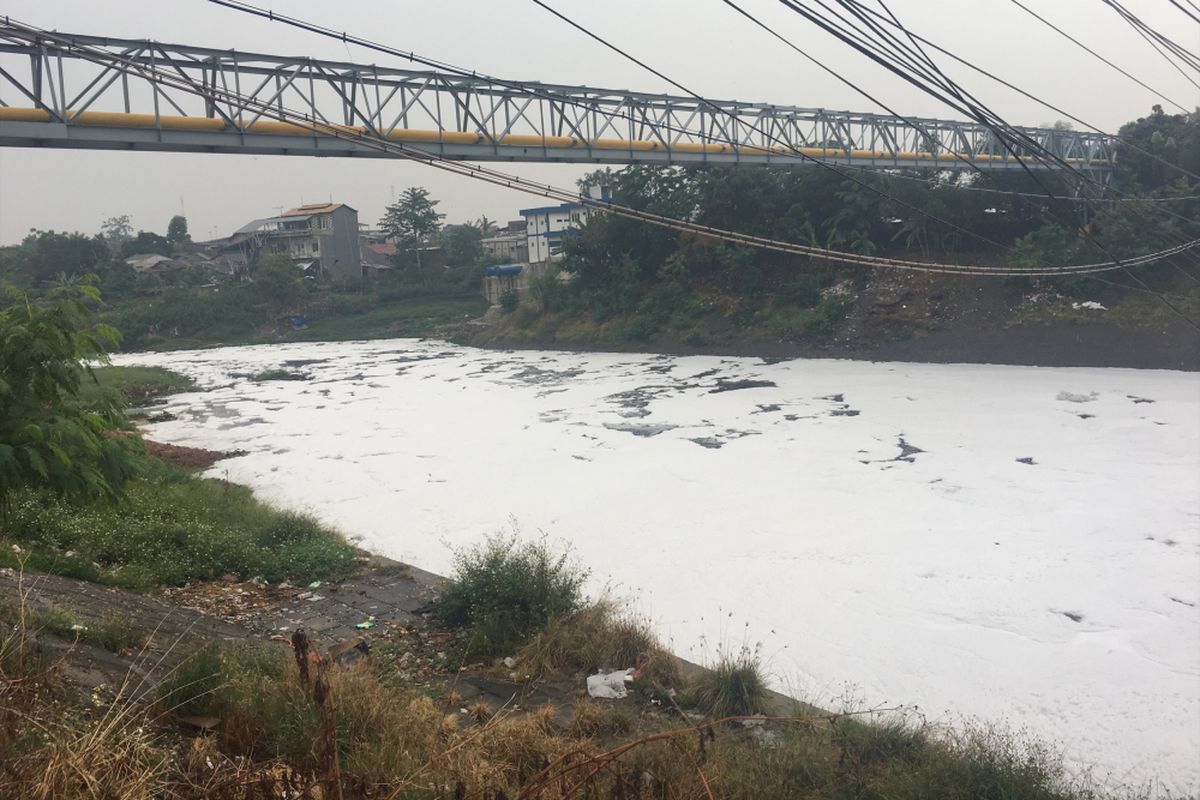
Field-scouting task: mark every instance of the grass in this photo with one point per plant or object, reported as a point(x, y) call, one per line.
point(733, 686)
point(598, 637)
point(136, 385)
point(172, 527)
point(504, 591)
point(353, 733)
point(113, 634)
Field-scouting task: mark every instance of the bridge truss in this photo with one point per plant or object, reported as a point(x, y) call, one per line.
point(51, 96)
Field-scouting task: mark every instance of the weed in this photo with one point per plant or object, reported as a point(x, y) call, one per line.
point(504, 591)
point(733, 686)
point(597, 637)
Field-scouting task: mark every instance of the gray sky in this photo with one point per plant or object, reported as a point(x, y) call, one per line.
point(701, 43)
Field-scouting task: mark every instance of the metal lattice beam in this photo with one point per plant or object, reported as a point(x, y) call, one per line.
point(50, 97)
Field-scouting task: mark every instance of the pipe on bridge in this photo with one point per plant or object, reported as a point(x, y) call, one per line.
point(111, 119)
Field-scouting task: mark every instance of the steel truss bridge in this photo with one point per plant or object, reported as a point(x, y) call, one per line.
point(53, 95)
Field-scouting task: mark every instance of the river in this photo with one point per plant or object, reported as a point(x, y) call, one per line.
point(1016, 545)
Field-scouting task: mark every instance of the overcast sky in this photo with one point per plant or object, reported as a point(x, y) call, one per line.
point(701, 43)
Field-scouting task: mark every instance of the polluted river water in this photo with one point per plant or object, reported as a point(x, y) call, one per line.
point(1018, 546)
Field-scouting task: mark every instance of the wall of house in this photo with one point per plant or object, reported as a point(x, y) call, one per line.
point(340, 256)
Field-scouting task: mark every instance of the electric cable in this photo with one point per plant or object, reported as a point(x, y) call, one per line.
point(275, 111)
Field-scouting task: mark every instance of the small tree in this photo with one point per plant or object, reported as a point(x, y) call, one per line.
point(177, 230)
point(411, 220)
point(116, 231)
point(48, 437)
point(463, 245)
point(278, 280)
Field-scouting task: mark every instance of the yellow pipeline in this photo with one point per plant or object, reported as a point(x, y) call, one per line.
point(114, 119)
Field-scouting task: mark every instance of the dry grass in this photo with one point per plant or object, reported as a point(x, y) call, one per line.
point(346, 733)
point(598, 637)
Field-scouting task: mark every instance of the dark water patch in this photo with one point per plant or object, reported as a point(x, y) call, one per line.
point(845, 412)
point(1026, 460)
point(907, 451)
point(708, 373)
point(580, 458)
point(1085, 416)
point(1074, 616)
point(1137, 399)
point(729, 385)
point(710, 442)
point(304, 362)
point(834, 398)
point(1181, 601)
point(767, 408)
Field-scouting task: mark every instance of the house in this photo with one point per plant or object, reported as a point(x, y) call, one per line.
point(321, 237)
point(507, 247)
point(324, 234)
point(547, 226)
point(153, 264)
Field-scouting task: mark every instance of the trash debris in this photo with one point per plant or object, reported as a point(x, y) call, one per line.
point(1089, 304)
point(609, 685)
point(315, 597)
point(315, 585)
point(350, 652)
point(509, 662)
point(369, 622)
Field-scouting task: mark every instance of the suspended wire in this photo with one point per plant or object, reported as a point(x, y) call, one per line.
point(791, 151)
point(532, 90)
point(757, 128)
point(792, 45)
point(1050, 106)
point(1185, 55)
point(979, 112)
point(1078, 43)
point(1185, 10)
point(1150, 35)
point(965, 102)
point(275, 111)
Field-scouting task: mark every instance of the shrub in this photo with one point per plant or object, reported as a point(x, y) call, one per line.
point(509, 301)
point(732, 687)
point(597, 637)
point(504, 591)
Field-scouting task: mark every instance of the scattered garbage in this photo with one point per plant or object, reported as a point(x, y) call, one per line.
point(1091, 305)
point(349, 652)
point(369, 622)
point(610, 685)
point(315, 585)
point(510, 662)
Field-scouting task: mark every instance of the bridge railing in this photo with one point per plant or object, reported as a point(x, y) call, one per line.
point(50, 96)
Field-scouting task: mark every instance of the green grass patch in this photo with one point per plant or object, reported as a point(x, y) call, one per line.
point(418, 316)
point(172, 527)
point(504, 591)
point(734, 686)
point(136, 385)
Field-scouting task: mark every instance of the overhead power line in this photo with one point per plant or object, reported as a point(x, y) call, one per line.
point(275, 111)
point(1080, 44)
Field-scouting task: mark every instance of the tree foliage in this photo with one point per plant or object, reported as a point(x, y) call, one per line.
point(177, 230)
point(413, 218)
point(48, 437)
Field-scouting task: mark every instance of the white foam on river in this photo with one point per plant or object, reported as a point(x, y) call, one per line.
point(785, 503)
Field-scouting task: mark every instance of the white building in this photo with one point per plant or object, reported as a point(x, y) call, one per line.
point(546, 226)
